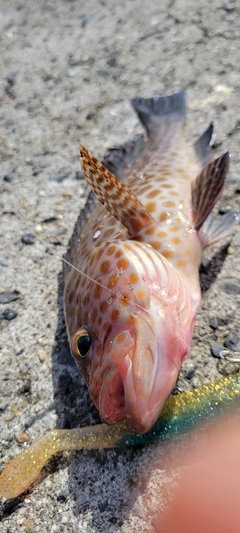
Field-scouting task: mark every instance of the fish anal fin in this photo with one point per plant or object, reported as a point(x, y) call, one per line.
point(207, 188)
point(154, 111)
point(215, 229)
point(202, 146)
point(123, 157)
point(116, 197)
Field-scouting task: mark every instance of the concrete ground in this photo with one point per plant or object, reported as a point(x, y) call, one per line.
point(68, 70)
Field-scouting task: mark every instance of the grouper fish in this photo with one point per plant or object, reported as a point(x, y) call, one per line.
point(131, 271)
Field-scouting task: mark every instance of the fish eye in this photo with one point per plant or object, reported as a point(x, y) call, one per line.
point(82, 343)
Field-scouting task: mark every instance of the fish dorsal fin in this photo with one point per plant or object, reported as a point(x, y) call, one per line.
point(153, 112)
point(207, 188)
point(116, 197)
point(123, 157)
point(202, 146)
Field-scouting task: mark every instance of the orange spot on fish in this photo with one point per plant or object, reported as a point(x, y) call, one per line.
point(98, 292)
point(106, 326)
point(167, 253)
point(155, 244)
point(173, 229)
point(103, 306)
point(114, 314)
point(111, 249)
point(164, 216)
point(124, 299)
point(150, 230)
point(152, 194)
point(151, 207)
point(181, 264)
point(112, 281)
point(122, 264)
point(176, 240)
point(133, 278)
point(94, 314)
point(118, 254)
point(140, 294)
point(132, 320)
point(107, 233)
point(187, 252)
point(162, 234)
point(104, 267)
point(169, 203)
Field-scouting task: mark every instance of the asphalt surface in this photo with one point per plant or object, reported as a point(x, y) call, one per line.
point(68, 70)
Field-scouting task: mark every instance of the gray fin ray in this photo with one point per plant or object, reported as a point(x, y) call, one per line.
point(213, 229)
point(202, 146)
point(153, 111)
point(123, 157)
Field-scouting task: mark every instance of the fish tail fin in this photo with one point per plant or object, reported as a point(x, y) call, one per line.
point(153, 112)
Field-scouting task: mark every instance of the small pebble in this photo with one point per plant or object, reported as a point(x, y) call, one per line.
point(7, 297)
point(29, 526)
point(62, 496)
point(216, 350)
point(22, 437)
point(8, 314)
point(213, 323)
point(42, 355)
point(8, 178)
point(190, 373)
point(4, 262)
point(9, 417)
point(232, 343)
point(38, 228)
point(28, 238)
point(231, 287)
point(59, 177)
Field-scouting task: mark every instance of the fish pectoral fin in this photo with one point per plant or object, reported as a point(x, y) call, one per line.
point(116, 197)
point(207, 189)
point(213, 230)
point(124, 157)
point(202, 146)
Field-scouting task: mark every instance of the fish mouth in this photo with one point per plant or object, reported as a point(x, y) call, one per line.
point(122, 395)
point(118, 400)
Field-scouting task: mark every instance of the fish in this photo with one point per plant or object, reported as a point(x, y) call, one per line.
point(131, 270)
point(181, 414)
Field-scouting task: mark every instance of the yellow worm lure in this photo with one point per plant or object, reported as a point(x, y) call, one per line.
point(181, 413)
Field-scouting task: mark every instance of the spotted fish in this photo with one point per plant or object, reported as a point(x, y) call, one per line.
point(131, 270)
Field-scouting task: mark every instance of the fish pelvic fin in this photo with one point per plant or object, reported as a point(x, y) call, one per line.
point(154, 112)
point(215, 229)
point(116, 197)
point(202, 146)
point(207, 189)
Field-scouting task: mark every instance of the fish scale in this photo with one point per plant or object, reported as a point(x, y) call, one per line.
point(131, 269)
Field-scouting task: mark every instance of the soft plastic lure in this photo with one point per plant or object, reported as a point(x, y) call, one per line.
point(180, 414)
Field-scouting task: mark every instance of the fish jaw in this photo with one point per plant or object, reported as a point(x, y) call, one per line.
point(142, 371)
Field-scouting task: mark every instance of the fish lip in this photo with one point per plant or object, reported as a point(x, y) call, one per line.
point(110, 410)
